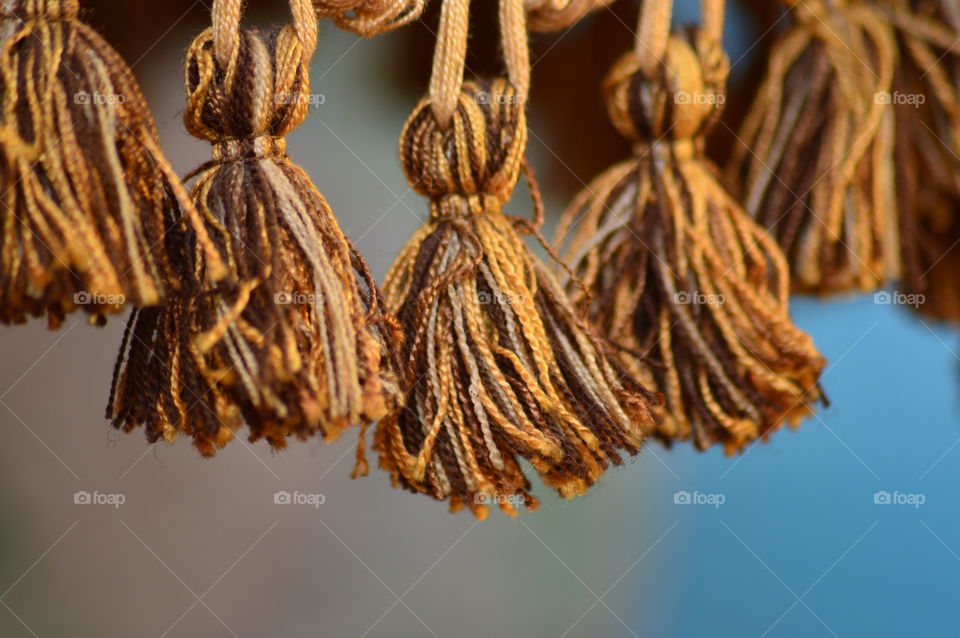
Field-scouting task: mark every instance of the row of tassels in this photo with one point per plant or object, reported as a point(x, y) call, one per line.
point(252, 307)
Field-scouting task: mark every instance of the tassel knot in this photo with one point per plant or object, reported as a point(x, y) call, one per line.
point(480, 151)
point(456, 205)
point(679, 100)
point(262, 147)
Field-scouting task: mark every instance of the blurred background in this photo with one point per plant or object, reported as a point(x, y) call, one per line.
point(847, 526)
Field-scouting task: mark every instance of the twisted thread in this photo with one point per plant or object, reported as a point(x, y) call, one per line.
point(295, 342)
point(693, 291)
point(495, 362)
point(90, 209)
point(816, 160)
point(369, 17)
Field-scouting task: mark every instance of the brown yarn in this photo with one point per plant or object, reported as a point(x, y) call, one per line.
point(296, 342)
point(369, 17)
point(496, 364)
point(816, 156)
point(677, 274)
point(554, 15)
point(926, 99)
point(87, 199)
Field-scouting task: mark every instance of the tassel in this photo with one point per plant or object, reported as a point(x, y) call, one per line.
point(497, 365)
point(926, 100)
point(368, 18)
point(297, 343)
point(672, 269)
point(556, 15)
point(815, 161)
point(88, 200)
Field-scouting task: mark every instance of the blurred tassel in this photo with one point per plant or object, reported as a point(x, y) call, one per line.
point(555, 15)
point(815, 160)
point(369, 17)
point(297, 343)
point(672, 268)
point(497, 365)
point(88, 200)
point(926, 99)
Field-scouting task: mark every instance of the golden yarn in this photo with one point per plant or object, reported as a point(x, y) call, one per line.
point(674, 271)
point(815, 159)
point(496, 364)
point(89, 206)
point(369, 17)
point(296, 342)
point(927, 105)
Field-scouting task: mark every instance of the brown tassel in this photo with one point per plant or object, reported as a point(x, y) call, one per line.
point(673, 269)
point(297, 343)
point(369, 17)
point(816, 155)
point(555, 15)
point(87, 199)
point(497, 365)
point(926, 99)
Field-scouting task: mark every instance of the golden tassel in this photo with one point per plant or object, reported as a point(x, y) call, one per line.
point(496, 364)
point(297, 343)
point(815, 159)
point(926, 100)
point(90, 210)
point(672, 269)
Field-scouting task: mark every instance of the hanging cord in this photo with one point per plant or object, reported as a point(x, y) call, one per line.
point(516, 46)
point(653, 32)
point(449, 59)
point(226, 15)
point(713, 13)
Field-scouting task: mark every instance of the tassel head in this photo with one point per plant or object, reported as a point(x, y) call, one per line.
point(450, 166)
point(679, 99)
